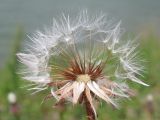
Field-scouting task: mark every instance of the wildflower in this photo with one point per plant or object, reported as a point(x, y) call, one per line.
point(80, 59)
point(12, 98)
point(14, 106)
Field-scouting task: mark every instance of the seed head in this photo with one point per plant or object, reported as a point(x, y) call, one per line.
point(80, 58)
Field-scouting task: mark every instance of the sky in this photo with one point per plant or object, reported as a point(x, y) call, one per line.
point(136, 15)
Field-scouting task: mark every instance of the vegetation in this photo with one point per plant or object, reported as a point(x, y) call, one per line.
point(145, 106)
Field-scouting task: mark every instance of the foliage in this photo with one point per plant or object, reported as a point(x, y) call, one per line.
point(145, 106)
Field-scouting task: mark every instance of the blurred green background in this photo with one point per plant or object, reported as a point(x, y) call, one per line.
point(19, 18)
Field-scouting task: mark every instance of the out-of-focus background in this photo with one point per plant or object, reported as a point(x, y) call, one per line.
point(19, 18)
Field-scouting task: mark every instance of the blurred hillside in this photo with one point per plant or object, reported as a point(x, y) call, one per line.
point(144, 106)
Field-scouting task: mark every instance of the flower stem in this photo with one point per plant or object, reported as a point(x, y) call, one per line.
point(89, 110)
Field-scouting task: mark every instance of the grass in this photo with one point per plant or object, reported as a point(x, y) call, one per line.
point(139, 107)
